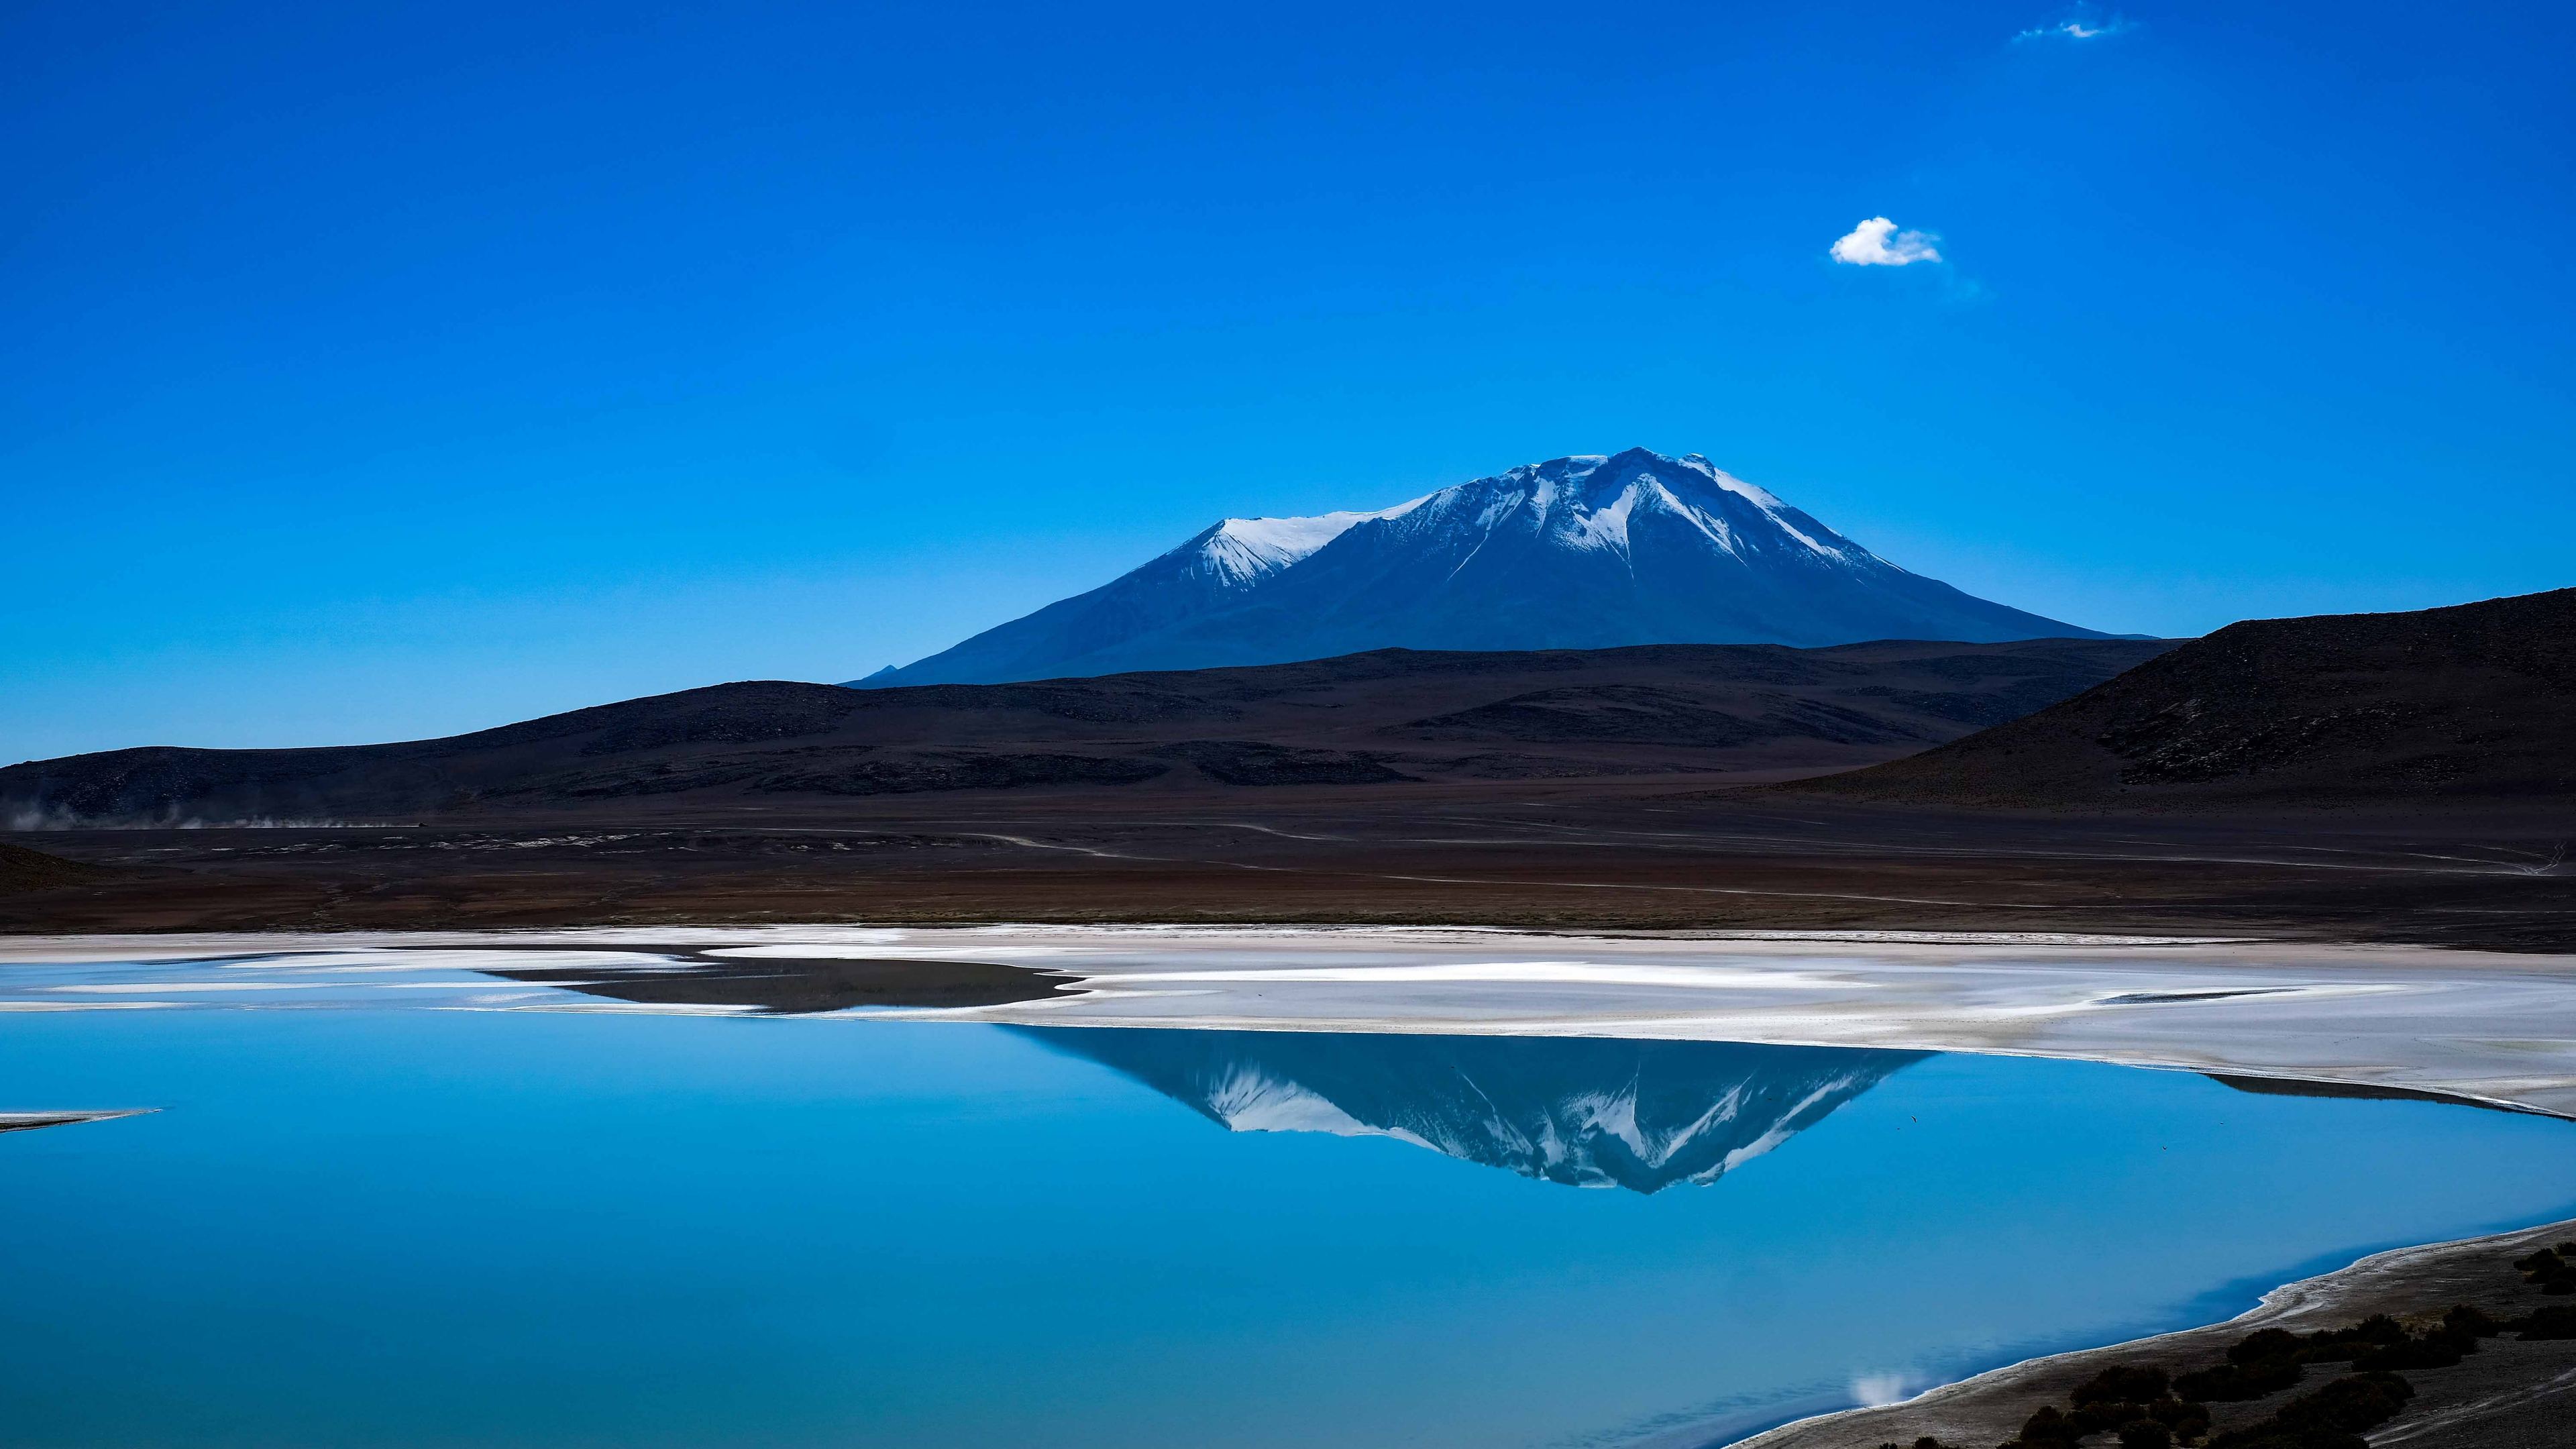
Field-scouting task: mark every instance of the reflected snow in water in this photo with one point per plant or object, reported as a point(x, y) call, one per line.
point(669, 1221)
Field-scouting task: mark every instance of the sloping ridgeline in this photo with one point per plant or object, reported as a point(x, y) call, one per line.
point(2475, 703)
point(22, 869)
point(1585, 552)
point(1379, 720)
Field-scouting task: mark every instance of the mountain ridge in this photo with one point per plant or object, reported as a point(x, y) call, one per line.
point(2470, 703)
point(1379, 718)
point(1588, 551)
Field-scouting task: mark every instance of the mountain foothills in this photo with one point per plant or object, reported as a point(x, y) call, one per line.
point(1575, 553)
point(2473, 705)
point(2376, 778)
point(1386, 718)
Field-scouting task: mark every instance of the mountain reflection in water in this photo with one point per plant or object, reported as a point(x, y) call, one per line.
point(1587, 1112)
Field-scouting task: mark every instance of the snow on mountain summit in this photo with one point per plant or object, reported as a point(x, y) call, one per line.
point(1243, 550)
point(1582, 552)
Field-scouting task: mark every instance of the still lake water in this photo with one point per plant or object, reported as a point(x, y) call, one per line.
point(377, 1225)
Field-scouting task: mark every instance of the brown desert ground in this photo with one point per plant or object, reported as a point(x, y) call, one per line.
point(2399, 778)
point(1652, 854)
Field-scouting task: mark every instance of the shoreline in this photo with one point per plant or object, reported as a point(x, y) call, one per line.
point(1988, 1407)
point(2480, 1028)
point(2395, 1021)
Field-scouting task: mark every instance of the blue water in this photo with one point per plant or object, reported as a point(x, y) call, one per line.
point(401, 1228)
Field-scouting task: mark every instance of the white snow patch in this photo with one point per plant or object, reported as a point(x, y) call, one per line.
point(1763, 498)
point(1716, 528)
point(1243, 550)
point(1605, 527)
point(1250, 1100)
point(1590, 973)
point(1500, 509)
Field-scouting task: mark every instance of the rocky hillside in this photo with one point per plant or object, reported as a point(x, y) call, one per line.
point(2472, 703)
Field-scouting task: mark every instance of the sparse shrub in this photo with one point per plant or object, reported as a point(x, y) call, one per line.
point(2122, 1384)
point(2229, 1383)
point(2095, 1417)
point(2149, 1410)
point(2186, 1420)
point(2550, 1271)
point(2434, 1350)
point(2375, 1332)
point(2262, 1362)
point(2363, 1401)
point(2551, 1322)
point(2470, 1321)
point(2332, 1417)
point(2262, 1345)
point(2048, 1427)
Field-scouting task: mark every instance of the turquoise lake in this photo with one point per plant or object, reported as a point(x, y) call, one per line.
point(369, 1225)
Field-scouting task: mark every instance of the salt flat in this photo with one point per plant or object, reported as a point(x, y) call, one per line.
point(2499, 1028)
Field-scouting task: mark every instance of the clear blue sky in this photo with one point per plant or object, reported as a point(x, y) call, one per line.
point(382, 371)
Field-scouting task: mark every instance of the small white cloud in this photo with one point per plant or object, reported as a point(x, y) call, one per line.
point(1877, 243)
point(2082, 25)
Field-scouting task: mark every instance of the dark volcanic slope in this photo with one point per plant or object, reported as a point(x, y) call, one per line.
point(1375, 719)
point(2469, 704)
point(22, 869)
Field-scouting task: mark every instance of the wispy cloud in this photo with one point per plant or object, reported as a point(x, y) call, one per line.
point(2080, 26)
point(1878, 1390)
point(1877, 243)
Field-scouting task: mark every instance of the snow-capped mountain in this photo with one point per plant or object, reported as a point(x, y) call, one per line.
point(1576, 553)
point(1587, 1112)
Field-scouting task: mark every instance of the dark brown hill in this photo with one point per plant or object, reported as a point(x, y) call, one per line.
point(1381, 718)
point(22, 869)
point(2474, 704)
